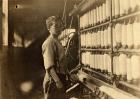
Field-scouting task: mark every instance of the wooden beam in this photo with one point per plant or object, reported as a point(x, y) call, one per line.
point(5, 22)
point(0, 23)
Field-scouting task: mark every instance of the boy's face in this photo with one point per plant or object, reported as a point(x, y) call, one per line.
point(56, 28)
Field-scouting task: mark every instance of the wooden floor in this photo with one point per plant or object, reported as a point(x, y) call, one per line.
point(18, 65)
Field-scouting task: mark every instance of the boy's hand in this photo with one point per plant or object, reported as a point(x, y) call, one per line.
point(59, 84)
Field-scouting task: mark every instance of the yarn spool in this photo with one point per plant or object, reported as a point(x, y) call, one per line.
point(88, 39)
point(96, 39)
point(86, 59)
point(113, 8)
point(123, 66)
point(80, 22)
point(92, 17)
point(85, 63)
point(83, 58)
point(104, 12)
point(92, 60)
point(106, 62)
point(96, 62)
point(138, 4)
point(135, 60)
point(83, 24)
point(82, 40)
point(101, 13)
point(103, 69)
point(126, 4)
point(108, 7)
point(99, 62)
point(98, 16)
point(114, 65)
point(109, 64)
point(118, 30)
point(129, 70)
point(102, 60)
point(83, 21)
point(87, 19)
point(136, 30)
point(117, 66)
point(99, 38)
point(109, 36)
point(99, 9)
point(122, 11)
point(124, 35)
point(95, 16)
point(88, 56)
point(133, 5)
point(105, 37)
point(93, 39)
point(130, 41)
point(102, 38)
point(103, 63)
point(117, 8)
point(114, 36)
point(95, 59)
point(87, 22)
point(85, 42)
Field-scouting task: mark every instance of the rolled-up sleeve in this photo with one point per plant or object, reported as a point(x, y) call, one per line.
point(48, 55)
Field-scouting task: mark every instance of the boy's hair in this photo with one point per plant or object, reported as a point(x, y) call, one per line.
point(51, 20)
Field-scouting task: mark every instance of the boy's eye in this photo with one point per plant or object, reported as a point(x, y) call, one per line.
point(57, 25)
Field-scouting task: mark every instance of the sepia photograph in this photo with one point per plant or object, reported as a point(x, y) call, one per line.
point(69, 49)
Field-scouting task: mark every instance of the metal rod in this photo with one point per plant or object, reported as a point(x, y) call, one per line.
point(104, 50)
point(111, 37)
point(126, 16)
point(127, 51)
point(79, 39)
point(97, 26)
point(97, 81)
point(98, 73)
point(130, 85)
